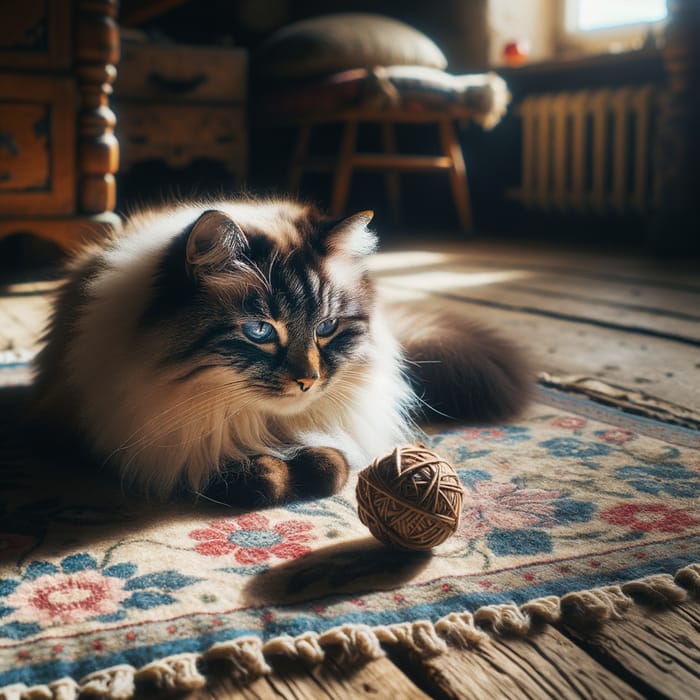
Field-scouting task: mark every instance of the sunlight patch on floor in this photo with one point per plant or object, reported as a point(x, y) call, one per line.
point(27, 288)
point(443, 280)
point(406, 259)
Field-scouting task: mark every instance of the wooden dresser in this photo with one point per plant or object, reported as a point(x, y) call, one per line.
point(178, 104)
point(58, 152)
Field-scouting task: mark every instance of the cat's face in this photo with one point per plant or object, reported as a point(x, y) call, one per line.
point(283, 320)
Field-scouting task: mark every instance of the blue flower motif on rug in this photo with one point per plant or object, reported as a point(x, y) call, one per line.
point(475, 443)
point(671, 478)
point(505, 542)
point(573, 447)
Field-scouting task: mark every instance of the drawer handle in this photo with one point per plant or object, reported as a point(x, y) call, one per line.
point(178, 87)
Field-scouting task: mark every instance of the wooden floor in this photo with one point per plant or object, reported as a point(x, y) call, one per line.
point(620, 317)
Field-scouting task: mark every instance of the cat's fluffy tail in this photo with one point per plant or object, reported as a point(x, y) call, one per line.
point(460, 368)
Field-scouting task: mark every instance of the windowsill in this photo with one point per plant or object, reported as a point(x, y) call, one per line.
point(585, 62)
point(640, 67)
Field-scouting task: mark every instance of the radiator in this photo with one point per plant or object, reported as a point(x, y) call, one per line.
point(587, 151)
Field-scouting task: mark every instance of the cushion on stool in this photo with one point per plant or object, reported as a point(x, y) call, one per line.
point(333, 43)
point(484, 96)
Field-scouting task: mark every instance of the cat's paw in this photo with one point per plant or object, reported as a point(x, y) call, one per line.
point(318, 471)
point(314, 472)
point(260, 481)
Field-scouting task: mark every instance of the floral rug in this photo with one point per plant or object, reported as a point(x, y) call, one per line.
point(573, 496)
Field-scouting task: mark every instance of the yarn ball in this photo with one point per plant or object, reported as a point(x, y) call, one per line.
point(410, 499)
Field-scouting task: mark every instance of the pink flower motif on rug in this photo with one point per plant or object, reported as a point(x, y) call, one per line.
point(649, 517)
point(251, 539)
point(617, 436)
point(569, 422)
point(492, 504)
point(67, 598)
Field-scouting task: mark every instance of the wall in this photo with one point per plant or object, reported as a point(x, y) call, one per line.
point(530, 20)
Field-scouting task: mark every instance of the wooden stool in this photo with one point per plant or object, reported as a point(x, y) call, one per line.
point(389, 160)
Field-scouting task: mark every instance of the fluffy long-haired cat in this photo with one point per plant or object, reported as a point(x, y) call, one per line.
point(236, 350)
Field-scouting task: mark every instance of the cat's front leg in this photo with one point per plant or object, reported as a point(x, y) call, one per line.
point(263, 480)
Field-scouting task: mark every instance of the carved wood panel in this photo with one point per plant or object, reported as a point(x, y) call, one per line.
point(37, 145)
point(36, 34)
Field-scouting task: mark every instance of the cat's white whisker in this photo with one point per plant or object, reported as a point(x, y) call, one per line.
point(203, 496)
point(165, 426)
point(195, 412)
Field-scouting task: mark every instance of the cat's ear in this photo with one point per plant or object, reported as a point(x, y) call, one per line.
point(351, 236)
point(214, 239)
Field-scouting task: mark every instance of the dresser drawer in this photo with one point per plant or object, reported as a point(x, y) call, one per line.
point(180, 134)
point(36, 34)
point(37, 145)
point(149, 71)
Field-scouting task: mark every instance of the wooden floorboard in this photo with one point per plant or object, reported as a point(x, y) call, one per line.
point(659, 648)
point(543, 665)
point(572, 307)
point(666, 297)
point(592, 262)
point(633, 296)
point(376, 679)
point(663, 368)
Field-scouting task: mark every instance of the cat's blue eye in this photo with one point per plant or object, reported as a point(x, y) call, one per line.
point(327, 327)
point(258, 331)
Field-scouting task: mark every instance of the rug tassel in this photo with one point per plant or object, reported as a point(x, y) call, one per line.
point(504, 619)
point(116, 683)
point(659, 590)
point(305, 647)
point(460, 630)
point(419, 636)
point(62, 689)
point(244, 655)
point(595, 606)
point(13, 692)
point(37, 692)
point(178, 672)
point(547, 609)
point(357, 643)
point(689, 578)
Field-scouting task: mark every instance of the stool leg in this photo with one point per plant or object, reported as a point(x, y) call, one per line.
point(343, 169)
point(391, 177)
point(301, 149)
point(458, 173)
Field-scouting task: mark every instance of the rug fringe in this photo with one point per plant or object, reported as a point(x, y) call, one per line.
point(631, 400)
point(247, 658)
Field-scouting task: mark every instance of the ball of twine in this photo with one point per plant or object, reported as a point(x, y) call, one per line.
point(410, 499)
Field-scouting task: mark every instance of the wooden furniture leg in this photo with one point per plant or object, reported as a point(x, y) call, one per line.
point(343, 170)
point(301, 150)
point(98, 150)
point(458, 172)
point(391, 177)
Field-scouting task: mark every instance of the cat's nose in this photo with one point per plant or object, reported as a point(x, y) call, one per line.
point(305, 383)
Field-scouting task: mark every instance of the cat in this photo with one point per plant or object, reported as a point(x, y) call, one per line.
point(236, 350)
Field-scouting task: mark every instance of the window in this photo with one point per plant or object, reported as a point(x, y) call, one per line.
point(588, 15)
point(610, 25)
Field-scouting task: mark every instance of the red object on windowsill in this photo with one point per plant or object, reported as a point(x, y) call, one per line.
point(515, 53)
